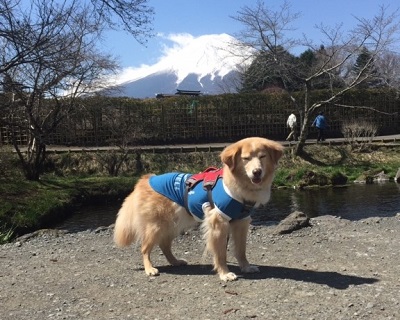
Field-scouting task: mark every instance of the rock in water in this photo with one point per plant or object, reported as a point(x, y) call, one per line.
point(397, 177)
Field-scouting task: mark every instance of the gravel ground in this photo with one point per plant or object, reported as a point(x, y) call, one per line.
point(334, 269)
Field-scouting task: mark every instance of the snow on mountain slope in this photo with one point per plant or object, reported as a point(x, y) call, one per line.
point(204, 63)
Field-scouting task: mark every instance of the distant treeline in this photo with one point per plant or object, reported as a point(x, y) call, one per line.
point(102, 121)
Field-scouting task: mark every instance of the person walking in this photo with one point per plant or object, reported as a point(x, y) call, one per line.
point(292, 125)
point(320, 124)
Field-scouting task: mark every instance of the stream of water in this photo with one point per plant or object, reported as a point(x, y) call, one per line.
point(353, 202)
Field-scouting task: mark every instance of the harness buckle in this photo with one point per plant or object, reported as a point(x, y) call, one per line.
point(209, 177)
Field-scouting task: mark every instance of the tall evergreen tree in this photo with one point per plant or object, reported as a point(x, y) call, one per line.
point(269, 70)
point(365, 66)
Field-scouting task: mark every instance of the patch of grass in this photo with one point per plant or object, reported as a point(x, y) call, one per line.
point(26, 205)
point(6, 234)
point(334, 165)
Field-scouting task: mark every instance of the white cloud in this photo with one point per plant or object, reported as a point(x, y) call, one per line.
point(180, 39)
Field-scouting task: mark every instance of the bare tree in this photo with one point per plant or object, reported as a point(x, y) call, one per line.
point(388, 66)
point(265, 31)
point(48, 58)
point(264, 37)
point(133, 16)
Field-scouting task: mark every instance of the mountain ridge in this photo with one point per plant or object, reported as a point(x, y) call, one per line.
point(205, 63)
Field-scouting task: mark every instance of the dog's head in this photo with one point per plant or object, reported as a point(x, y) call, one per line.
point(255, 157)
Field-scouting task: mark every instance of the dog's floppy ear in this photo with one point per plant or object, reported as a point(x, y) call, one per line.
point(276, 150)
point(228, 155)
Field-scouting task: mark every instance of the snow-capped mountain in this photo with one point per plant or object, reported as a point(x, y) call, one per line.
point(206, 63)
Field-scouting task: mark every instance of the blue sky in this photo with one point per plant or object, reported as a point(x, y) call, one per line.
point(213, 17)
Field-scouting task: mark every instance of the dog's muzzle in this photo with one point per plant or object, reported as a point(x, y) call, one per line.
point(257, 176)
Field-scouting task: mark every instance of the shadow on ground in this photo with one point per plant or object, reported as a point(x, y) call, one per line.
point(331, 279)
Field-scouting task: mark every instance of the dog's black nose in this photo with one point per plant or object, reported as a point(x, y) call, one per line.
point(257, 172)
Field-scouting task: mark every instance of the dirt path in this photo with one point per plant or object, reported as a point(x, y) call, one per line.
point(335, 269)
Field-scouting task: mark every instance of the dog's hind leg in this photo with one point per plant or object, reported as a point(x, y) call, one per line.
point(239, 230)
point(182, 221)
point(148, 243)
point(165, 247)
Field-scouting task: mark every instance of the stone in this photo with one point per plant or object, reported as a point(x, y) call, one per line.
point(397, 177)
point(296, 220)
point(381, 177)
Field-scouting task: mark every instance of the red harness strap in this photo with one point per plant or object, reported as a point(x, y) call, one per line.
point(209, 177)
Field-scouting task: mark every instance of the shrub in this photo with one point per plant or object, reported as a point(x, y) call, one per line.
point(359, 134)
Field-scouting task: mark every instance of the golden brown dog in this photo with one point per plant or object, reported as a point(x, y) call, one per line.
point(152, 219)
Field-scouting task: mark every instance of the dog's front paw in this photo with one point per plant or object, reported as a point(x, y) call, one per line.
point(152, 271)
point(250, 269)
point(230, 276)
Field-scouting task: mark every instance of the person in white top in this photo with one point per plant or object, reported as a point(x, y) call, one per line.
point(292, 124)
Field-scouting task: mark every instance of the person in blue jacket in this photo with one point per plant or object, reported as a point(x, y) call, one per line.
point(320, 124)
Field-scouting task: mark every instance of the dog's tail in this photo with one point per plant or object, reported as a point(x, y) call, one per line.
point(124, 230)
point(127, 227)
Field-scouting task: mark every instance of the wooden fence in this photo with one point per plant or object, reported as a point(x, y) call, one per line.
point(115, 121)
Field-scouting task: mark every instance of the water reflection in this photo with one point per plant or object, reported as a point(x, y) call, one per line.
point(353, 202)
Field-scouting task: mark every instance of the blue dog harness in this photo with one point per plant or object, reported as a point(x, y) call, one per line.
point(177, 186)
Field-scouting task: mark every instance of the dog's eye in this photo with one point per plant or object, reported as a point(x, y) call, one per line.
point(246, 158)
point(262, 156)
